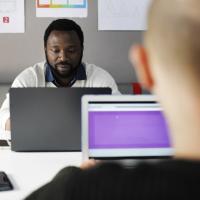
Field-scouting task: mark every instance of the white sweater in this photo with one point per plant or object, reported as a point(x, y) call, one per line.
point(34, 76)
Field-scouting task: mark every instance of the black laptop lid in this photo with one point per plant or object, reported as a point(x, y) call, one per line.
point(47, 119)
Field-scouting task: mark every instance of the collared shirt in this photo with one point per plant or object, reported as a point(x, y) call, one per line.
point(79, 75)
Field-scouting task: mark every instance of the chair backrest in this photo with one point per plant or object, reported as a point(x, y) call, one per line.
point(136, 88)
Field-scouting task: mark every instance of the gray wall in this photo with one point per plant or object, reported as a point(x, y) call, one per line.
point(108, 49)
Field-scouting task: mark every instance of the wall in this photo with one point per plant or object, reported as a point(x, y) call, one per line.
point(108, 49)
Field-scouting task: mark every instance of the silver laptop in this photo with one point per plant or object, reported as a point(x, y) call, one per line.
point(124, 127)
point(47, 119)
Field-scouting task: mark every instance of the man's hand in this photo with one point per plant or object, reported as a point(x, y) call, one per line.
point(89, 164)
point(7, 126)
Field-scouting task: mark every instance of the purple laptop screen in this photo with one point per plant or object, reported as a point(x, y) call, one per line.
point(127, 129)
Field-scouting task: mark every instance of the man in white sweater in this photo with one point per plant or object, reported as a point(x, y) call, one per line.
point(63, 45)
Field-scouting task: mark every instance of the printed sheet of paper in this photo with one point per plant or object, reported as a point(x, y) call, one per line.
point(61, 8)
point(12, 16)
point(122, 14)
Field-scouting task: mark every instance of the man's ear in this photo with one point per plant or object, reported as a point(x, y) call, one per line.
point(139, 59)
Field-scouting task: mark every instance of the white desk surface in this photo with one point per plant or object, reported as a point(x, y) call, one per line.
point(28, 171)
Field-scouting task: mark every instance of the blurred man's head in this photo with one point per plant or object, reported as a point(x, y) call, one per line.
point(63, 43)
point(169, 65)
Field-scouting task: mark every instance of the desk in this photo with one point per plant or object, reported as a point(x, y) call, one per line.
point(28, 171)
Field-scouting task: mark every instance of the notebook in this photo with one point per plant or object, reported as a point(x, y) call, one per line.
point(47, 119)
point(124, 127)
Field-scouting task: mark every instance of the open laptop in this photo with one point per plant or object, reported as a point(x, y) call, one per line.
point(47, 119)
point(127, 127)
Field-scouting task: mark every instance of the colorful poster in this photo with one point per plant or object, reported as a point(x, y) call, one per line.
point(12, 16)
point(61, 8)
point(122, 15)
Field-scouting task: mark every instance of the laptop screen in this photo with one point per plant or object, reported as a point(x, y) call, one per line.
point(127, 129)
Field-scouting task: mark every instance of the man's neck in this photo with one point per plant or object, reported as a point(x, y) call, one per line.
point(185, 127)
point(63, 82)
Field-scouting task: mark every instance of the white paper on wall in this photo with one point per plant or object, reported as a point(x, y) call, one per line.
point(12, 16)
point(122, 14)
point(61, 8)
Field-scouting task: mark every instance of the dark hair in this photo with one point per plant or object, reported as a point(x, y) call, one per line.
point(63, 25)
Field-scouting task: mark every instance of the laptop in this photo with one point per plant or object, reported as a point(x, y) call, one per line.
point(126, 127)
point(47, 119)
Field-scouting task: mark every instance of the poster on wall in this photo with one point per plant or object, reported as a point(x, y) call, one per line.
point(122, 15)
point(12, 16)
point(61, 8)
